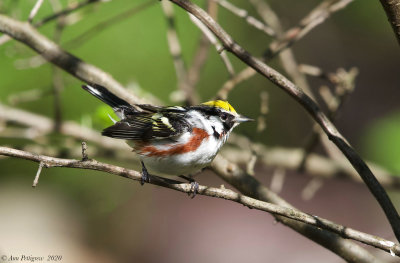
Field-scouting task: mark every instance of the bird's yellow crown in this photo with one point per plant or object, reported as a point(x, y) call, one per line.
point(220, 104)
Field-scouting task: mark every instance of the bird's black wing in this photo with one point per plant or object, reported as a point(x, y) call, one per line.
point(149, 126)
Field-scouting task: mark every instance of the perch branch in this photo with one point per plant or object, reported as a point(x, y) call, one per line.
point(222, 193)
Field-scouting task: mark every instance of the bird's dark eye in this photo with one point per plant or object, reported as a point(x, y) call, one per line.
point(224, 116)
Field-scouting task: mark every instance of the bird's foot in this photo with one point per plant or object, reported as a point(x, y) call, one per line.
point(145, 175)
point(194, 186)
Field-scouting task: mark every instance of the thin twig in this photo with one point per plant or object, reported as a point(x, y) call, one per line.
point(242, 13)
point(311, 188)
point(223, 193)
point(278, 178)
point(344, 87)
point(64, 12)
point(286, 57)
point(264, 109)
point(308, 104)
point(35, 10)
point(27, 96)
point(84, 153)
point(36, 180)
point(220, 49)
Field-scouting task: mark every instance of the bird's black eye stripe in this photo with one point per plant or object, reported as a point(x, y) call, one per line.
point(228, 125)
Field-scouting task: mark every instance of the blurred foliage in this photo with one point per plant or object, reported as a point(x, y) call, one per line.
point(382, 142)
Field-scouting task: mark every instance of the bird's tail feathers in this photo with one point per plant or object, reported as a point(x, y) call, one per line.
point(106, 96)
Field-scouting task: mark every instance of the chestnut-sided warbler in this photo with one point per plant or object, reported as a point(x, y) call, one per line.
point(171, 140)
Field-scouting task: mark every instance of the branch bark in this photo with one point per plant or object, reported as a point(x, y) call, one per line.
point(308, 104)
point(392, 9)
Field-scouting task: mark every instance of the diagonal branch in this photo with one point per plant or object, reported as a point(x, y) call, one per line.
point(284, 211)
point(308, 104)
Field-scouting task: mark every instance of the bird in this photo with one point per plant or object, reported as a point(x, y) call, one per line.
point(170, 140)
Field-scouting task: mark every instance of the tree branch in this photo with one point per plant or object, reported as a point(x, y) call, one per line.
point(392, 9)
point(308, 104)
point(287, 212)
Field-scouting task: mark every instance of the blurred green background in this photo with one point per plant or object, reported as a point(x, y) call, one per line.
point(88, 216)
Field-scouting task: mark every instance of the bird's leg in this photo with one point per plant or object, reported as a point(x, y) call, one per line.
point(194, 186)
point(145, 175)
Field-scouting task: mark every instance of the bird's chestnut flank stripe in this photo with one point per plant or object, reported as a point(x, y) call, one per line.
point(195, 141)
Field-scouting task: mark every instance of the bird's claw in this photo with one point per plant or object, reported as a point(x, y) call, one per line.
point(194, 186)
point(145, 175)
point(194, 189)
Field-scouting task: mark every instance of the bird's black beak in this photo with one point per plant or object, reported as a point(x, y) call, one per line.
point(241, 118)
